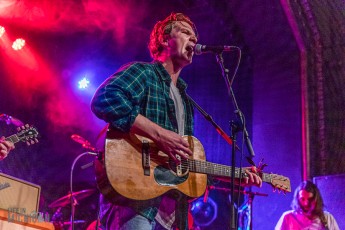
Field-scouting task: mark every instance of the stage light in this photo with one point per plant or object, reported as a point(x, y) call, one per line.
point(84, 83)
point(18, 44)
point(2, 30)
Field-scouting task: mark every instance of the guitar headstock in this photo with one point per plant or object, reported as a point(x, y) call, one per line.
point(280, 182)
point(27, 134)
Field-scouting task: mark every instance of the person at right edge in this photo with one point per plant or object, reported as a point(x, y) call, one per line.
point(307, 211)
point(149, 99)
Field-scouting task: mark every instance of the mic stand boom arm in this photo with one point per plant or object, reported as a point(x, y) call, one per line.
point(210, 119)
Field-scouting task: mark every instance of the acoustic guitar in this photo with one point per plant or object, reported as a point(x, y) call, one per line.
point(133, 167)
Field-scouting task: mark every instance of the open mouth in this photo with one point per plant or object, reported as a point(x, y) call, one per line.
point(190, 48)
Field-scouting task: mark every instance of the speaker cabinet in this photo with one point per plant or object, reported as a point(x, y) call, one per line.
point(19, 202)
point(17, 195)
point(332, 191)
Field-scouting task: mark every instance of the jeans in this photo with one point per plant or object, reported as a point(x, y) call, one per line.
point(115, 217)
point(138, 222)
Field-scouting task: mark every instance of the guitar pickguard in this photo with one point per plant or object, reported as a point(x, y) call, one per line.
point(166, 177)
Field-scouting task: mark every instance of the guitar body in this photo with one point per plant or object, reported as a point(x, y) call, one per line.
point(122, 172)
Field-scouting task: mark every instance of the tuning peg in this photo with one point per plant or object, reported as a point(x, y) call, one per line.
point(22, 127)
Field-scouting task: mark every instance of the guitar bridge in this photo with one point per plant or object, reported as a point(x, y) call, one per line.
point(146, 157)
point(179, 166)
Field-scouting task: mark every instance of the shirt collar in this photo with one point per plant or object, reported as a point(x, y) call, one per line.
point(181, 84)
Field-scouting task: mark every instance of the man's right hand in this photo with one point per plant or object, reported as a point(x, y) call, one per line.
point(167, 141)
point(173, 144)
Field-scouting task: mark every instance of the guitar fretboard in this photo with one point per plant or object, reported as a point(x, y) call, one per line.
point(219, 170)
point(212, 168)
point(266, 177)
point(13, 138)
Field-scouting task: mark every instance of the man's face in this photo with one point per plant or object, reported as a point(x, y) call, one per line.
point(181, 43)
point(306, 201)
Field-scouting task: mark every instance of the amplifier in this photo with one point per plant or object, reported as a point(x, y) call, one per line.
point(332, 190)
point(19, 224)
point(17, 195)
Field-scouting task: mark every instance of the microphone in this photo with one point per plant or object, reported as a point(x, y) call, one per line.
point(200, 49)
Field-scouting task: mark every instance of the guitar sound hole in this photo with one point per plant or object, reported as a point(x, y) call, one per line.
point(168, 176)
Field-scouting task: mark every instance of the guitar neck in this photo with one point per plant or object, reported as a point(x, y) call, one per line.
point(220, 170)
point(13, 138)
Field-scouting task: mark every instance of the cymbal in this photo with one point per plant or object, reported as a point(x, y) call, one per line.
point(66, 200)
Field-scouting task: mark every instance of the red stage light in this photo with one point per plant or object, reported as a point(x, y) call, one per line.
point(18, 44)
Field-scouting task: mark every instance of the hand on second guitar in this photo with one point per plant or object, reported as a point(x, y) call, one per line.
point(5, 148)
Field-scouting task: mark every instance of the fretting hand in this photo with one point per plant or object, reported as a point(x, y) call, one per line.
point(5, 148)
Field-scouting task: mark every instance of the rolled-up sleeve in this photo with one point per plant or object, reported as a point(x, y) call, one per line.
point(117, 100)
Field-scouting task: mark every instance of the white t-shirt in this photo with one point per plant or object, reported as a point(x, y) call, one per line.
point(297, 221)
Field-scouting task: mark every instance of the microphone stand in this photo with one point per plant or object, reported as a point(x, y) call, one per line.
point(210, 119)
point(236, 126)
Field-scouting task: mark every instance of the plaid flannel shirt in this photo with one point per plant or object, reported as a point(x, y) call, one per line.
point(141, 88)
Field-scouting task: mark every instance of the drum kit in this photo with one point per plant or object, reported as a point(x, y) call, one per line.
point(64, 202)
point(58, 219)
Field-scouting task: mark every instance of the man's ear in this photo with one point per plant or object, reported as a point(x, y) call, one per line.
point(165, 41)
